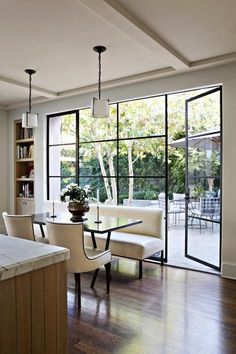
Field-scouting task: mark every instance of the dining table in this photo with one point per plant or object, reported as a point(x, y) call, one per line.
point(105, 225)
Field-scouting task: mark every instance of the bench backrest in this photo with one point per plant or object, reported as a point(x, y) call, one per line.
point(152, 218)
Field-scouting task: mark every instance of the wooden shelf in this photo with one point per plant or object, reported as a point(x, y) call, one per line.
point(25, 179)
point(24, 188)
point(22, 198)
point(24, 160)
point(23, 141)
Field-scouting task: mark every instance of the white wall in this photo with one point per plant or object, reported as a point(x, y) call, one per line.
point(223, 74)
point(3, 165)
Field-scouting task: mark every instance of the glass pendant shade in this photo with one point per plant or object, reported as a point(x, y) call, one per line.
point(29, 120)
point(100, 108)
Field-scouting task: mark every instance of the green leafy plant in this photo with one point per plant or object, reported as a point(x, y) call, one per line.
point(75, 193)
point(198, 191)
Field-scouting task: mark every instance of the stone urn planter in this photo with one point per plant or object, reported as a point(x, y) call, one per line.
point(78, 210)
point(77, 198)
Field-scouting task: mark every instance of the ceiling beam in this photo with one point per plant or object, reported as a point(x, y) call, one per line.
point(119, 17)
point(150, 75)
point(36, 89)
point(105, 85)
point(213, 61)
point(127, 80)
point(24, 104)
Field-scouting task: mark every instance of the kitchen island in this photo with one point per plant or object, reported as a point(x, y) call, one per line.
point(33, 297)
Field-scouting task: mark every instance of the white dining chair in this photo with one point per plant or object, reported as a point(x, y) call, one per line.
point(82, 259)
point(21, 226)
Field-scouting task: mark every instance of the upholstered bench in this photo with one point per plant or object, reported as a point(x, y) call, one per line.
point(136, 242)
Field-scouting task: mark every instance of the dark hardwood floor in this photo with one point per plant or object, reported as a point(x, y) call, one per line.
point(169, 311)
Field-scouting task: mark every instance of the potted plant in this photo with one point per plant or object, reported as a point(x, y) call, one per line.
point(198, 191)
point(78, 200)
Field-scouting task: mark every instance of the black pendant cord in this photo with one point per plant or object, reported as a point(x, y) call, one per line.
point(30, 80)
point(30, 72)
point(99, 75)
point(99, 49)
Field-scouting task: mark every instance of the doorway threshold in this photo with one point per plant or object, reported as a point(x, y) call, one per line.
point(191, 265)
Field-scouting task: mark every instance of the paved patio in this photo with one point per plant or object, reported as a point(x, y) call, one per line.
point(203, 244)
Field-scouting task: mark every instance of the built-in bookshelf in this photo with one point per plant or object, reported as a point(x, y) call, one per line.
point(24, 169)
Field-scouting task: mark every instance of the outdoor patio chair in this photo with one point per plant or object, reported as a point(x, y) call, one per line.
point(208, 209)
point(179, 200)
point(173, 209)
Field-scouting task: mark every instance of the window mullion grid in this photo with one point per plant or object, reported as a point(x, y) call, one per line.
point(167, 177)
point(77, 171)
point(48, 157)
point(53, 145)
point(118, 151)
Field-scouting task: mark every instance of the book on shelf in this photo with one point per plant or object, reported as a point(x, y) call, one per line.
point(22, 152)
point(26, 191)
point(31, 151)
point(18, 152)
point(26, 133)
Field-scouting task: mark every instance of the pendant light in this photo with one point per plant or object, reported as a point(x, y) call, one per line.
point(100, 107)
point(30, 120)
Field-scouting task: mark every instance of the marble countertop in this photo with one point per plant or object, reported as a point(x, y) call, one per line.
point(19, 256)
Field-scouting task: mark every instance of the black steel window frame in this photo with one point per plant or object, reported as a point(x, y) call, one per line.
point(210, 91)
point(60, 114)
point(118, 139)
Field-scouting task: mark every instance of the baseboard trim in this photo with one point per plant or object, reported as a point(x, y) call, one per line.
point(229, 271)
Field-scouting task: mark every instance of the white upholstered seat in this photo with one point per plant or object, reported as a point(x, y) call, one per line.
point(81, 259)
point(136, 242)
point(128, 245)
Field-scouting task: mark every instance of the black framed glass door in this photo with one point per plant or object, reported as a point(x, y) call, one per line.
point(203, 178)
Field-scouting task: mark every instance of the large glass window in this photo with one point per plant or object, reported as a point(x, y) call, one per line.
point(62, 156)
point(135, 158)
point(123, 155)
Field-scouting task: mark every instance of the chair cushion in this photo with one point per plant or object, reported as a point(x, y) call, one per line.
point(128, 245)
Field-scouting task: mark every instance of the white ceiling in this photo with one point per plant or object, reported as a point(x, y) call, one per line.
point(144, 39)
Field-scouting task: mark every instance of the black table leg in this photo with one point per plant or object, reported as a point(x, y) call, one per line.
point(93, 240)
point(42, 230)
point(108, 240)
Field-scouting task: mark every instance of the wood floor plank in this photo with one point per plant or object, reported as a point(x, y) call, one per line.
point(171, 311)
